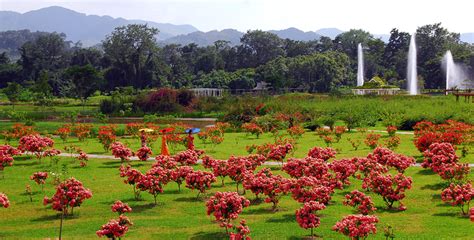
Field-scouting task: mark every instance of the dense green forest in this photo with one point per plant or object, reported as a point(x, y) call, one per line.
point(48, 65)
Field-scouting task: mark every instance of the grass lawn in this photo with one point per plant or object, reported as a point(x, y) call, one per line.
point(179, 215)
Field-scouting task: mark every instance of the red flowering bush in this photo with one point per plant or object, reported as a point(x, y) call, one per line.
point(4, 202)
point(455, 133)
point(107, 136)
point(471, 213)
point(328, 140)
point(256, 182)
point(279, 152)
point(133, 177)
point(200, 180)
point(454, 171)
point(35, 144)
point(144, 153)
point(391, 130)
point(253, 129)
point(242, 232)
point(343, 170)
point(219, 168)
point(226, 206)
point(372, 140)
point(154, 180)
point(296, 131)
point(6, 155)
point(458, 195)
point(354, 143)
point(69, 194)
point(133, 128)
point(39, 178)
point(357, 226)
point(367, 167)
point(82, 158)
point(306, 215)
point(64, 132)
point(391, 188)
point(179, 174)
point(18, 131)
point(439, 154)
point(237, 167)
point(166, 162)
point(311, 189)
point(82, 131)
point(121, 151)
point(392, 142)
point(295, 167)
point(388, 158)
point(322, 153)
point(115, 228)
point(51, 152)
point(188, 157)
point(338, 131)
point(275, 186)
point(120, 207)
point(359, 200)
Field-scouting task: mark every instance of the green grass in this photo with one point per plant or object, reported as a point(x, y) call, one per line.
point(181, 216)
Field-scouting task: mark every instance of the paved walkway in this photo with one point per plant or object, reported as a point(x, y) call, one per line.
point(97, 156)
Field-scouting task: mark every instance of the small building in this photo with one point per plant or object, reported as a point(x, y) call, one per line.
point(208, 92)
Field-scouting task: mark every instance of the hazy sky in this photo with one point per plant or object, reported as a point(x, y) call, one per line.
point(376, 16)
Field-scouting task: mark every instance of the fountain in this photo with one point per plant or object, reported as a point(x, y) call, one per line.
point(360, 66)
point(455, 73)
point(412, 78)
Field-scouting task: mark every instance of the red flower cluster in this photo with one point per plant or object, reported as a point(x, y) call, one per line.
point(219, 168)
point(18, 131)
point(357, 226)
point(121, 151)
point(256, 182)
point(388, 158)
point(107, 136)
point(179, 174)
point(4, 202)
point(166, 162)
point(442, 159)
point(115, 228)
point(392, 142)
point(6, 155)
point(391, 130)
point(200, 180)
point(238, 167)
point(362, 202)
point(39, 177)
point(70, 193)
point(275, 186)
point(35, 144)
point(391, 188)
point(144, 153)
point(296, 131)
point(368, 166)
point(188, 157)
point(120, 207)
point(279, 152)
point(242, 232)
point(133, 177)
point(252, 128)
point(82, 158)
point(312, 189)
point(306, 215)
point(322, 153)
point(82, 131)
point(343, 169)
point(427, 133)
point(154, 180)
point(226, 206)
point(458, 195)
point(64, 132)
point(51, 152)
point(372, 140)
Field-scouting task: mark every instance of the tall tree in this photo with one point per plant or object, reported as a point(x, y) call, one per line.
point(261, 47)
point(85, 79)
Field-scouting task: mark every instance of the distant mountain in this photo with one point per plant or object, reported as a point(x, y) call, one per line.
point(468, 37)
point(329, 32)
point(296, 34)
point(206, 38)
point(89, 29)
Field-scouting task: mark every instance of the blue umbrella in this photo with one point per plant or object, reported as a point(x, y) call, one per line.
point(192, 130)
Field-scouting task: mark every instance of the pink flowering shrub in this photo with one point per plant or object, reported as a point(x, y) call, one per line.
point(438, 154)
point(6, 156)
point(372, 140)
point(121, 151)
point(225, 207)
point(115, 229)
point(237, 167)
point(391, 188)
point(391, 130)
point(343, 170)
point(188, 157)
point(360, 201)
point(69, 194)
point(388, 158)
point(311, 189)
point(219, 168)
point(133, 177)
point(39, 178)
point(200, 180)
point(4, 202)
point(357, 226)
point(120, 207)
point(144, 153)
point(275, 186)
point(154, 180)
point(256, 182)
point(322, 153)
point(471, 213)
point(166, 162)
point(35, 144)
point(179, 174)
point(279, 152)
point(242, 232)
point(306, 215)
point(458, 195)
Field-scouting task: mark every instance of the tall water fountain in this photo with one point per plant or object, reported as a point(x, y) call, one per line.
point(360, 66)
point(412, 77)
point(455, 73)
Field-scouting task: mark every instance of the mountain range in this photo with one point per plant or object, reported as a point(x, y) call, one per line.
point(91, 29)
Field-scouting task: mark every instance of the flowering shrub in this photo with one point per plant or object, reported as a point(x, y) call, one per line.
point(359, 200)
point(388, 158)
point(200, 180)
point(357, 226)
point(253, 129)
point(306, 215)
point(354, 143)
point(275, 186)
point(392, 142)
point(242, 232)
point(39, 178)
point(107, 136)
point(18, 131)
point(144, 153)
point(121, 151)
point(439, 154)
point(82, 158)
point(296, 131)
point(6, 155)
point(367, 167)
point(35, 144)
point(226, 206)
point(188, 157)
point(256, 182)
point(322, 153)
point(458, 195)
point(328, 140)
point(343, 169)
point(4, 202)
point(154, 180)
point(165, 162)
point(237, 167)
point(454, 171)
point(133, 177)
point(372, 140)
point(219, 168)
point(51, 152)
point(471, 213)
point(120, 207)
point(311, 189)
point(279, 152)
point(70, 193)
point(64, 132)
point(391, 130)
point(133, 128)
point(455, 133)
point(82, 131)
point(338, 131)
point(115, 228)
point(179, 174)
point(391, 188)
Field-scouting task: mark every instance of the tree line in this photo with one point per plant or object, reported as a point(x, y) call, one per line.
point(48, 65)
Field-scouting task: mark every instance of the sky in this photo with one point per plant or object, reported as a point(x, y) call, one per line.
point(376, 16)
